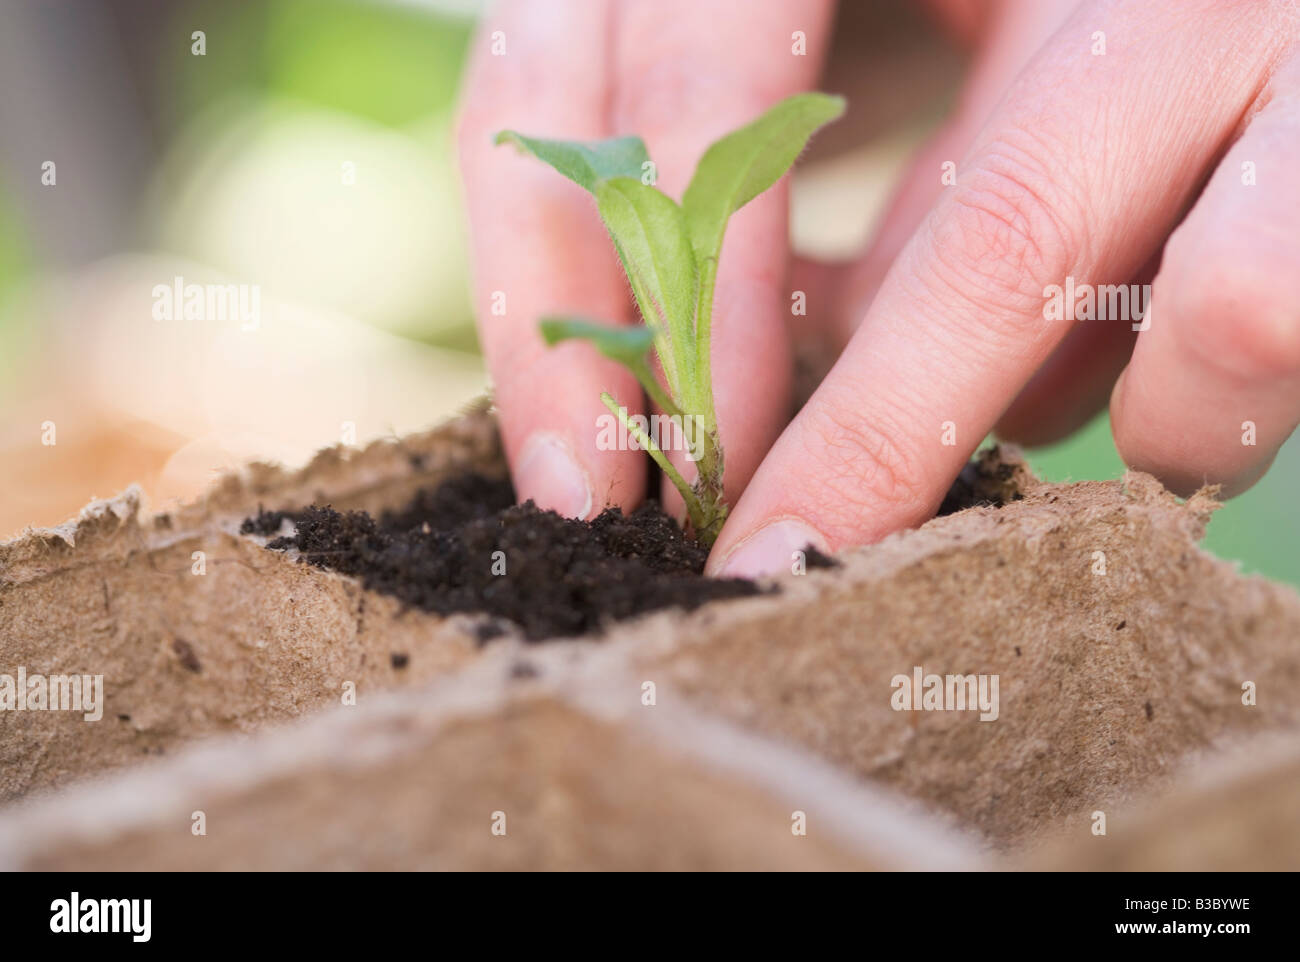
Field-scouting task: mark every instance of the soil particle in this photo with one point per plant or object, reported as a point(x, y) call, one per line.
point(185, 652)
point(466, 547)
point(399, 660)
point(988, 480)
point(486, 631)
point(812, 558)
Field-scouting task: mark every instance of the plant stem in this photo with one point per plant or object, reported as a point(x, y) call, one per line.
point(709, 486)
point(702, 385)
point(700, 519)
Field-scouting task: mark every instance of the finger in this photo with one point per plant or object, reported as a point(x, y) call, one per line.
point(1214, 386)
point(1079, 173)
point(1075, 381)
point(539, 248)
point(1017, 29)
point(683, 82)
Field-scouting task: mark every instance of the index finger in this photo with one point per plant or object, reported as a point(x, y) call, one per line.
point(1080, 173)
point(539, 248)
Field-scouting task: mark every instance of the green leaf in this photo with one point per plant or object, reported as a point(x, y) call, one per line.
point(649, 231)
point(586, 164)
point(748, 161)
point(627, 345)
point(732, 172)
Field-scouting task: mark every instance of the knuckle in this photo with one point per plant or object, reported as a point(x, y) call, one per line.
point(1236, 319)
point(861, 467)
point(1002, 238)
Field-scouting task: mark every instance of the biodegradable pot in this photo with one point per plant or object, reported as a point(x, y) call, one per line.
point(700, 740)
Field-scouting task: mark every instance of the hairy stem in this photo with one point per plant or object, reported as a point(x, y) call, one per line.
point(702, 386)
point(700, 519)
point(708, 488)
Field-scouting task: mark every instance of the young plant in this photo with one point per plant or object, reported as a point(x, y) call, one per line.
point(670, 254)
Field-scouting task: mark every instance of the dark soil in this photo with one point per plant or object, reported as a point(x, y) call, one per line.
point(466, 547)
point(987, 481)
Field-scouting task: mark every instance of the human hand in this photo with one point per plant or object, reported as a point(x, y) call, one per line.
point(1087, 166)
point(679, 74)
point(1056, 184)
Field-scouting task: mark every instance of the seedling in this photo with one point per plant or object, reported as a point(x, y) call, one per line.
point(670, 254)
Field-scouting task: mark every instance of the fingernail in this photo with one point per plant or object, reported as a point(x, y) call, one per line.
point(550, 475)
point(770, 550)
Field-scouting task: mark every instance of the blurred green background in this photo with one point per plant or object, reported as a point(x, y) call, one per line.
point(228, 163)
